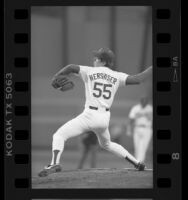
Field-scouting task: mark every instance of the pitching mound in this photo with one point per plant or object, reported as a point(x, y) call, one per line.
point(96, 178)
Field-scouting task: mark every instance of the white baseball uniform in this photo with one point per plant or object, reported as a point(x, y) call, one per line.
point(142, 129)
point(101, 84)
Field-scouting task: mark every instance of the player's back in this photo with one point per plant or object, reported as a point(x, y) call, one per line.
point(101, 84)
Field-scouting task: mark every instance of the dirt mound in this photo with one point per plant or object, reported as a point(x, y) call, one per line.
point(96, 178)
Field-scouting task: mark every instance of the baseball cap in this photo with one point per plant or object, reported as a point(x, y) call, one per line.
point(105, 54)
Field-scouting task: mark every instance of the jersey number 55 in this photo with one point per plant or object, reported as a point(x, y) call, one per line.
point(102, 90)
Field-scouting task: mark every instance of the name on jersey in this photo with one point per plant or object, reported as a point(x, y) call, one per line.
point(103, 76)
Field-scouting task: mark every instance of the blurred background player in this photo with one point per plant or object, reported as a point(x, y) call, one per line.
point(90, 146)
point(140, 126)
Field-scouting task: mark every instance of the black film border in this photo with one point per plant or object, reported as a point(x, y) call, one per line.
point(166, 101)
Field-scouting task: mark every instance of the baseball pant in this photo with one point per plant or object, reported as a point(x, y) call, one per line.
point(141, 137)
point(94, 120)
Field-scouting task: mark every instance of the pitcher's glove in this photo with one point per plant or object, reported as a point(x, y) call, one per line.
point(62, 83)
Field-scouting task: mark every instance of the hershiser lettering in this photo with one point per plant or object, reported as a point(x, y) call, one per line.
point(104, 77)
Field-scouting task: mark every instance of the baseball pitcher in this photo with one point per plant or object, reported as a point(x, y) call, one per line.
point(101, 85)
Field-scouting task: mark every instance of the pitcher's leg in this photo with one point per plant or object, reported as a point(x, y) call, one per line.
point(71, 129)
point(105, 142)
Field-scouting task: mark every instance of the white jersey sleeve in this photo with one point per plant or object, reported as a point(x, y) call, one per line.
point(122, 78)
point(83, 72)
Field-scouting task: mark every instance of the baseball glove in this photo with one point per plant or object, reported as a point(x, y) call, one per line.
point(62, 83)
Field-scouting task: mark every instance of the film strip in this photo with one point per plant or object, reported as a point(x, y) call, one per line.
point(166, 102)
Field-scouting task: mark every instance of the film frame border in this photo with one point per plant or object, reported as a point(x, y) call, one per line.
point(166, 84)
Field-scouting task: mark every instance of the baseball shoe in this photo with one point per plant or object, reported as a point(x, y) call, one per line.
point(50, 169)
point(140, 166)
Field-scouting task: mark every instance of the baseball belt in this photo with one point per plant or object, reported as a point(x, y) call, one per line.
point(95, 108)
